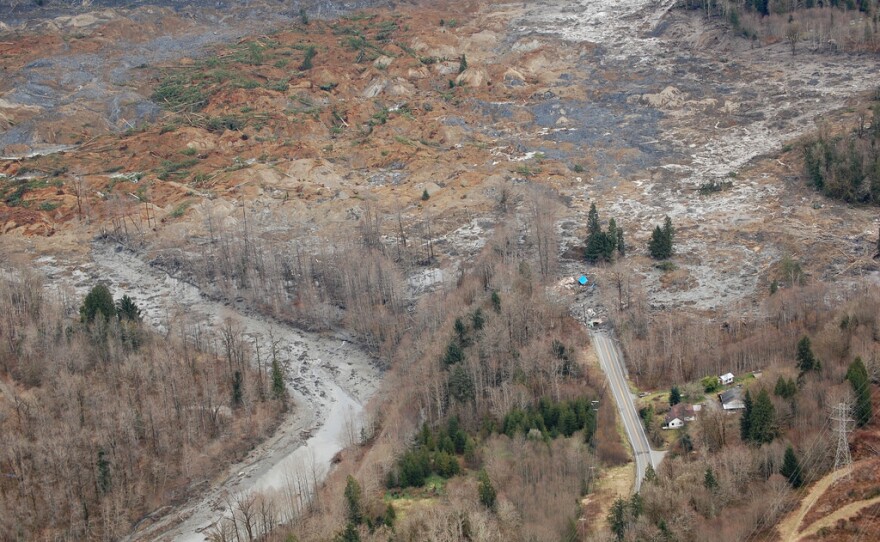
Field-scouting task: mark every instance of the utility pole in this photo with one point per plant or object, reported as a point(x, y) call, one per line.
point(843, 459)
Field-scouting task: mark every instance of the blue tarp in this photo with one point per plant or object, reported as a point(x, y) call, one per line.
point(583, 280)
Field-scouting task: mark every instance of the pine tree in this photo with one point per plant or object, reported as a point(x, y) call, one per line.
point(278, 388)
point(658, 246)
point(785, 388)
point(709, 481)
point(103, 465)
point(594, 227)
point(674, 396)
point(621, 246)
point(857, 375)
point(462, 63)
point(349, 534)
point(486, 490)
point(668, 232)
point(612, 236)
point(791, 468)
point(98, 300)
point(236, 389)
point(127, 309)
point(354, 511)
point(762, 422)
point(461, 332)
point(617, 519)
point(806, 361)
point(650, 475)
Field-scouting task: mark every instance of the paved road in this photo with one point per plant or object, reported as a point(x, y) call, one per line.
point(612, 363)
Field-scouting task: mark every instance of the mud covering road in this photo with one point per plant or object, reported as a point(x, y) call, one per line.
point(329, 379)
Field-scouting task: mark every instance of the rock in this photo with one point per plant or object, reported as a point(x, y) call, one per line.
point(512, 75)
point(383, 62)
point(375, 88)
point(472, 77)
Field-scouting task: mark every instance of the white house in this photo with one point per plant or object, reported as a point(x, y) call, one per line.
point(679, 415)
point(726, 379)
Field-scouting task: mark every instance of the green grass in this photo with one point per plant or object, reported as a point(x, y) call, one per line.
point(177, 169)
point(180, 210)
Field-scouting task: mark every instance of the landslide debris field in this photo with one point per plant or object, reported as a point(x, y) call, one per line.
point(414, 129)
point(633, 106)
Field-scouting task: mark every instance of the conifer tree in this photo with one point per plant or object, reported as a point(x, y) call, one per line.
point(857, 375)
point(791, 469)
point(278, 388)
point(709, 481)
point(621, 246)
point(98, 300)
point(486, 490)
point(354, 511)
point(674, 396)
point(806, 361)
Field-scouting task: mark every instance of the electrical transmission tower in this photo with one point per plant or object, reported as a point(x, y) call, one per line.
point(841, 415)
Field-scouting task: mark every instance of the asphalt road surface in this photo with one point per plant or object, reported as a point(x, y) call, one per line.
point(612, 363)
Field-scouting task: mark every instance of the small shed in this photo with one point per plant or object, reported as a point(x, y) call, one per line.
point(583, 280)
point(726, 379)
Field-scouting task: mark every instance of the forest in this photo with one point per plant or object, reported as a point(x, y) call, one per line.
point(104, 421)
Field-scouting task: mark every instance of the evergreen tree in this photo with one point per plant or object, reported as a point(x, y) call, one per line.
point(709, 481)
point(390, 516)
point(496, 301)
point(595, 248)
point(621, 246)
point(354, 508)
point(668, 232)
point(462, 63)
point(617, 519)
point(454, 354)
point(461, 332)
point(461, 385)
point(236, 389)
point(745, 422)
point(127, 309)
point(486, 490)
point(612, 235)
point(98, 300)
point(674, 396)
point(857, 375)
point(785, 388)
point(103, 465)
point(791, 469)
point(594, 227)
point(349, 534)
point(278, 387)
point(806, 361)
point(477, 320)
point(657, 246)
point(650, 475)
point(762, 421)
